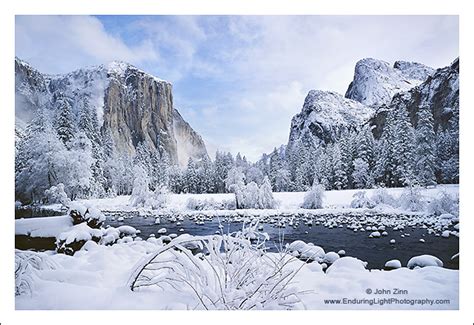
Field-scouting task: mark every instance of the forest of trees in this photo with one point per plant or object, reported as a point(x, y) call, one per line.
point(60, 146)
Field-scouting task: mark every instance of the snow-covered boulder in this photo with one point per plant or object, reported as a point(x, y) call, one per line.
point(297, 245)
point(72, 240)
point(127, 230)
point(374, 234)
point(393, 264)
point(86, 213)
point(312, 253)
point(423, 261)
point(314, 267)
point(347, 264)
point(331, 257)
point(445, 234)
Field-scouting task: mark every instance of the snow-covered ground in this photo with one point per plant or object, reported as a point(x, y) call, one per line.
point(96, 276)
point(286, 200)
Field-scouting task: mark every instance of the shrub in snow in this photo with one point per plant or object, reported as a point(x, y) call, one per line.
point(360, 200)
point(56, 194)
point(27, 263)
point(313, 199)
point(209, 204)
point(158, 199)
point(423, 261)
point(250, 196)
point(381, 196)
point(411, 199)
point(444, 203)
point(220, 279)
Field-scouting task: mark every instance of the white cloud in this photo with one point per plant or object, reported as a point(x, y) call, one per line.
point(58, 44)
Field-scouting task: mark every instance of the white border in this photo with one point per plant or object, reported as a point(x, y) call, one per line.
point(8, 315)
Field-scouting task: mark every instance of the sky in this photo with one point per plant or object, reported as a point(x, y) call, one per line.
point(238, 80)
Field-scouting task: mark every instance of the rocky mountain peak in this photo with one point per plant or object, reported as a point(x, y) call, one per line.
point(376, 82)
point(324, 115)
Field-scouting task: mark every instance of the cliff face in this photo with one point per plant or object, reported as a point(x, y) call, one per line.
point(131, 106)
point(376, 82)
point(440, 92)
point(324, 115)
point(189, 142)
point(139, 108)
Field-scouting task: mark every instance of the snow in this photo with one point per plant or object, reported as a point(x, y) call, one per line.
point(96, 278)
point(331, 112)
point(43, 227)
point(79, 232)
point(286, 201)
point(345, 264)
point(374, 234)
point(127, 230)
point(423, 261)
point(393, 264)
point(331, 257)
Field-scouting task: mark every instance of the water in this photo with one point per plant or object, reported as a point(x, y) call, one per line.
point(35, 212)
point(376, 251)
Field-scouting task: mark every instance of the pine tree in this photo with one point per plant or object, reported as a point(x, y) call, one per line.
point(365, 146)
point(64, 122)
point(191, 177)
point(340, 180)
point(425, 148)
point(403, 148)
point(361, 175)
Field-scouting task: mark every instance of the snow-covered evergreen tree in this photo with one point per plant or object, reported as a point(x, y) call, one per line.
point(403, 148)
point(141, 192)
point(38, 158)
point(64, 121)
point(425, 148)
point(361, 175)
point(76, 167)
point(265, 198)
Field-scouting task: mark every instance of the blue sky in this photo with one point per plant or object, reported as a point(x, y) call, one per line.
point(237, 80)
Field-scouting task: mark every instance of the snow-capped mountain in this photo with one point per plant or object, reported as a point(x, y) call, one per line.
point(440, 92)
point(131, 106)
point(324, 115)
point(376, 82)
point(376, 88)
